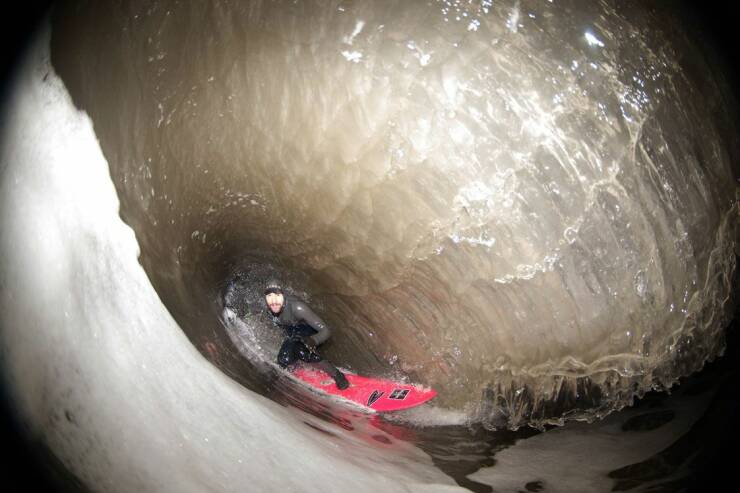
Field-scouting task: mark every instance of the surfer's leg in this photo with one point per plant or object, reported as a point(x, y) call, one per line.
point(287, 354)
point(305, 354)
point(332, 370)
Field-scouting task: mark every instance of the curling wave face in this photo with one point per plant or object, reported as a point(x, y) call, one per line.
point(530, 206)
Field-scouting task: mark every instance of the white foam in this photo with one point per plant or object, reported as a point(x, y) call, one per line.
point(429, 415)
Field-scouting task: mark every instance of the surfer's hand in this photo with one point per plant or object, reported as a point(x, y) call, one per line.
point(308, 342)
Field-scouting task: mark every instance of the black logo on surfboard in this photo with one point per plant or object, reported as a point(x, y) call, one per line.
point(374, 397)
point(399, 394)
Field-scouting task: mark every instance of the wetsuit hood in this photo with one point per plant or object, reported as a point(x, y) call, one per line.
point(273, 286)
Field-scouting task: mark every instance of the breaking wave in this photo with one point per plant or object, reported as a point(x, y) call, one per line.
point(530, 207)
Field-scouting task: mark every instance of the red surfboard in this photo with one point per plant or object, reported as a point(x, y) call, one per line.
point(373, 393)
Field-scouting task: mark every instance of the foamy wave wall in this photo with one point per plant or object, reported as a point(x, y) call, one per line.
point(96, 368)
point(531, 206)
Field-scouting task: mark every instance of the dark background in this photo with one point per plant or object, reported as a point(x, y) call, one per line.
point(29, 467)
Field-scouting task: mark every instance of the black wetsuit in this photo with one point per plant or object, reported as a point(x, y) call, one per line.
point(298, 321)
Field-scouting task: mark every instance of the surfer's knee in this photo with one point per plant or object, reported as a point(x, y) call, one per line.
point(284, 359)
point(307, 355)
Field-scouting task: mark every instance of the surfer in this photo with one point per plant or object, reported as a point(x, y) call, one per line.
point(304, 329)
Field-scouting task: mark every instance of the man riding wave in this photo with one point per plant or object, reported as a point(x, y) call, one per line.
point(303, 328)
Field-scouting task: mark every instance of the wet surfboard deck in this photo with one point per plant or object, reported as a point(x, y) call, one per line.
point(376, 394)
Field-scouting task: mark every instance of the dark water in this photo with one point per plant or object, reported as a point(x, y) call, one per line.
point(204, 200)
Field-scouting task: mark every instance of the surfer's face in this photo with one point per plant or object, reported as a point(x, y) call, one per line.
point(275, 302)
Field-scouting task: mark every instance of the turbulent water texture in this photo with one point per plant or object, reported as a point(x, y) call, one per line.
point(530, 206)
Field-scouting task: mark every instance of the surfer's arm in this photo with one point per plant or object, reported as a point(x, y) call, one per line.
point(303, 312)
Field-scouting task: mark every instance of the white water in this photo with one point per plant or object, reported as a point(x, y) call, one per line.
point(97, 367)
